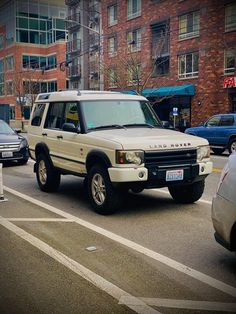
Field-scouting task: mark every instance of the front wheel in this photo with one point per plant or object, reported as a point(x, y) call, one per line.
point(232, 146)
point(103, 197)
point(47, 176)
point(187, 194)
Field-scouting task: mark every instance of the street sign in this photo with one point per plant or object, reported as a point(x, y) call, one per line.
point(175, 111)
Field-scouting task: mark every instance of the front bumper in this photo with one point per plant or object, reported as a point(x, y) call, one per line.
point(18, 155)
point(155, 176)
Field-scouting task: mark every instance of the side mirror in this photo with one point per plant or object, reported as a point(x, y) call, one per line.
point(70, 127)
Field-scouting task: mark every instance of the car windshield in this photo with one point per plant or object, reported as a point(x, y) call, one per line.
point(118, 114)
point(5, 129)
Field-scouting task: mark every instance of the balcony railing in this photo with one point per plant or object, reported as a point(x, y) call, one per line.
point(73, 46)
point(74, 71)
point(73, 21)
point(71, 2)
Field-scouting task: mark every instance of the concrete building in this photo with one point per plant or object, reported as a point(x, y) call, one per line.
point(180, 54)
point(84, 44)
point(32, 53)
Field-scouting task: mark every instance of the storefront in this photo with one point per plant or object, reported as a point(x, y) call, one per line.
point(166, 99)
point(230, 85)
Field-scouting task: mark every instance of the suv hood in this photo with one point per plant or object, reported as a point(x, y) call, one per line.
point(150, 139)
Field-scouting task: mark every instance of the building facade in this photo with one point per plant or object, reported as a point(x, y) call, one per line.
point(84, 44)
point(32, 53)
point(180, 54)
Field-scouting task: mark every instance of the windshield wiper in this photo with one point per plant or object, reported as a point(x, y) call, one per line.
point(116, 126)
point(140, 124)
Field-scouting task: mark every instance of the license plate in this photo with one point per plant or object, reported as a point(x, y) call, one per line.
point(174, 175)
point(7, 154)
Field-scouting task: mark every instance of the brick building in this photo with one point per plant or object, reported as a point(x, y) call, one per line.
point(177, 53)
point(32, 54)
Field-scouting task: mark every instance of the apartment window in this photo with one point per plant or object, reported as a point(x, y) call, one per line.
point(39, 62)
point(10, 88)
point(160, 48)
point(189, 25)
point(230, 17)
point(112, 78)
point(2, 77)
point(134, 40)
point(9, 63)
point(12, 112)
point(188, 65)
point(134, 74)
point(112, 15)
point(133, 8)
point(1, 41)
point(229, 61)
point(112, 46)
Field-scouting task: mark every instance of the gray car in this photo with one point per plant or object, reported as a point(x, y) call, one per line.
point(224, 206)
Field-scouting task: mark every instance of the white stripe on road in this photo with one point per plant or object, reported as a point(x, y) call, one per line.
point(40, 219)
point(184, 304)
point(138, 306)
point(217, 284)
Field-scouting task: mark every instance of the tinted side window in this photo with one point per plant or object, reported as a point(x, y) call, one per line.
point(227, 120)
point(214, 121)
point(37, 114)
point(55, 116)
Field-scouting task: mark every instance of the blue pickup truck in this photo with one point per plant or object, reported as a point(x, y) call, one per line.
point(219, 130)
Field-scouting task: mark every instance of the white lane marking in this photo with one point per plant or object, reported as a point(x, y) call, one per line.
point(217, 284)
point(184, 304)
point(138, 306)
point(39, 219)
point(167, 192)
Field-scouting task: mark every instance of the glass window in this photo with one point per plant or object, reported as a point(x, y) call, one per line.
point(1, 41)
point(43, 38)
point(112, 15)
point(134, 40)
point(112, 78)
point(133, 8)
point(60, 24)
point(189, 25)
point(42, 25)
point(52, 86)
point(10, 88)
point(12, 112)
point(188, 65)
point(52, 62)
point(134, 74)
point(55, 116)
point(22, 36)
point(25, 61)
point(34, 62)
point(229, 61)
point(37, 114)
point(9, 63)
point(71, 114)
point(162, 66)
point(22, 22)
point(34, 37)
point(227, 120)
point(33, 24)
point(214, 121)
point(230, 17)
point(112, 46)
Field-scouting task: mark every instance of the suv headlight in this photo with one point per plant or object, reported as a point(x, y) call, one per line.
point(203, 152)
point(129, 157)
point(23, 143)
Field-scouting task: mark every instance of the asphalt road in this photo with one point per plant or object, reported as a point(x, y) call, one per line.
point(152, 256)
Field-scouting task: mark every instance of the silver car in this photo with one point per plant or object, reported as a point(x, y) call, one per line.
point(224, 206)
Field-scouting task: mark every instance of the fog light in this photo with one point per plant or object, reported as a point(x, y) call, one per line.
point(141, 174)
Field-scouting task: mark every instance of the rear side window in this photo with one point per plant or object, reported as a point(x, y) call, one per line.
point(214, 121)
point(227, 120)
point(37, 114)
point(55, 116)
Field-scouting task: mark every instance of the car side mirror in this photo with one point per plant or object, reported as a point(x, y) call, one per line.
point(70, 127)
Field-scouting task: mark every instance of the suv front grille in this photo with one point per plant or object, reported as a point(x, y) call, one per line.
point(5, 147)
point(170, 158)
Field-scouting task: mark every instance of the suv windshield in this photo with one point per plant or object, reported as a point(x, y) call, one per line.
point(118, 114)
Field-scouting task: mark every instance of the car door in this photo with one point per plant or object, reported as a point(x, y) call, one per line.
point(209, 129)
point(221, 134)
point(70, 148)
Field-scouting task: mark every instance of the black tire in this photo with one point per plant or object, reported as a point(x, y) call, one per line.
point(218, 151)
point(232, 145)
point(23, 161)
point(104, 199)
point(187, 194)
point(47, 176)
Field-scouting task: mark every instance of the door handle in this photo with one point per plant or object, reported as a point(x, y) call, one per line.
point(44, 134)
point(59, 136)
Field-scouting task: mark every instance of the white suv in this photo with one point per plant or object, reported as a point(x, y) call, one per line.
point(116, 142)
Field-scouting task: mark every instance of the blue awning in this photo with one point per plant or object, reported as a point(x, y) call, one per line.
point(182, 90)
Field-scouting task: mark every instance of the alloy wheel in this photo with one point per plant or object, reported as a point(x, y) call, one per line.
point(98, 189)
point(42, 171)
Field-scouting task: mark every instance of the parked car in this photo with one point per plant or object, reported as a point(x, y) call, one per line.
point(219, 130)
point(224, 206)
point(13, 146)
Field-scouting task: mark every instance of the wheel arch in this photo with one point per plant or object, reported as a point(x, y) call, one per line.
point(97, 157)
point(42, 148)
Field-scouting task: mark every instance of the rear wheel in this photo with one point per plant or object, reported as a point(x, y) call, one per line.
point(103, 197)
point(218, 151)
point(232, 146)
point(187, 194)
point(47, 176)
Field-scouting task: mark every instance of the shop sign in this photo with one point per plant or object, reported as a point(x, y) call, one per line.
point(229, 81)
